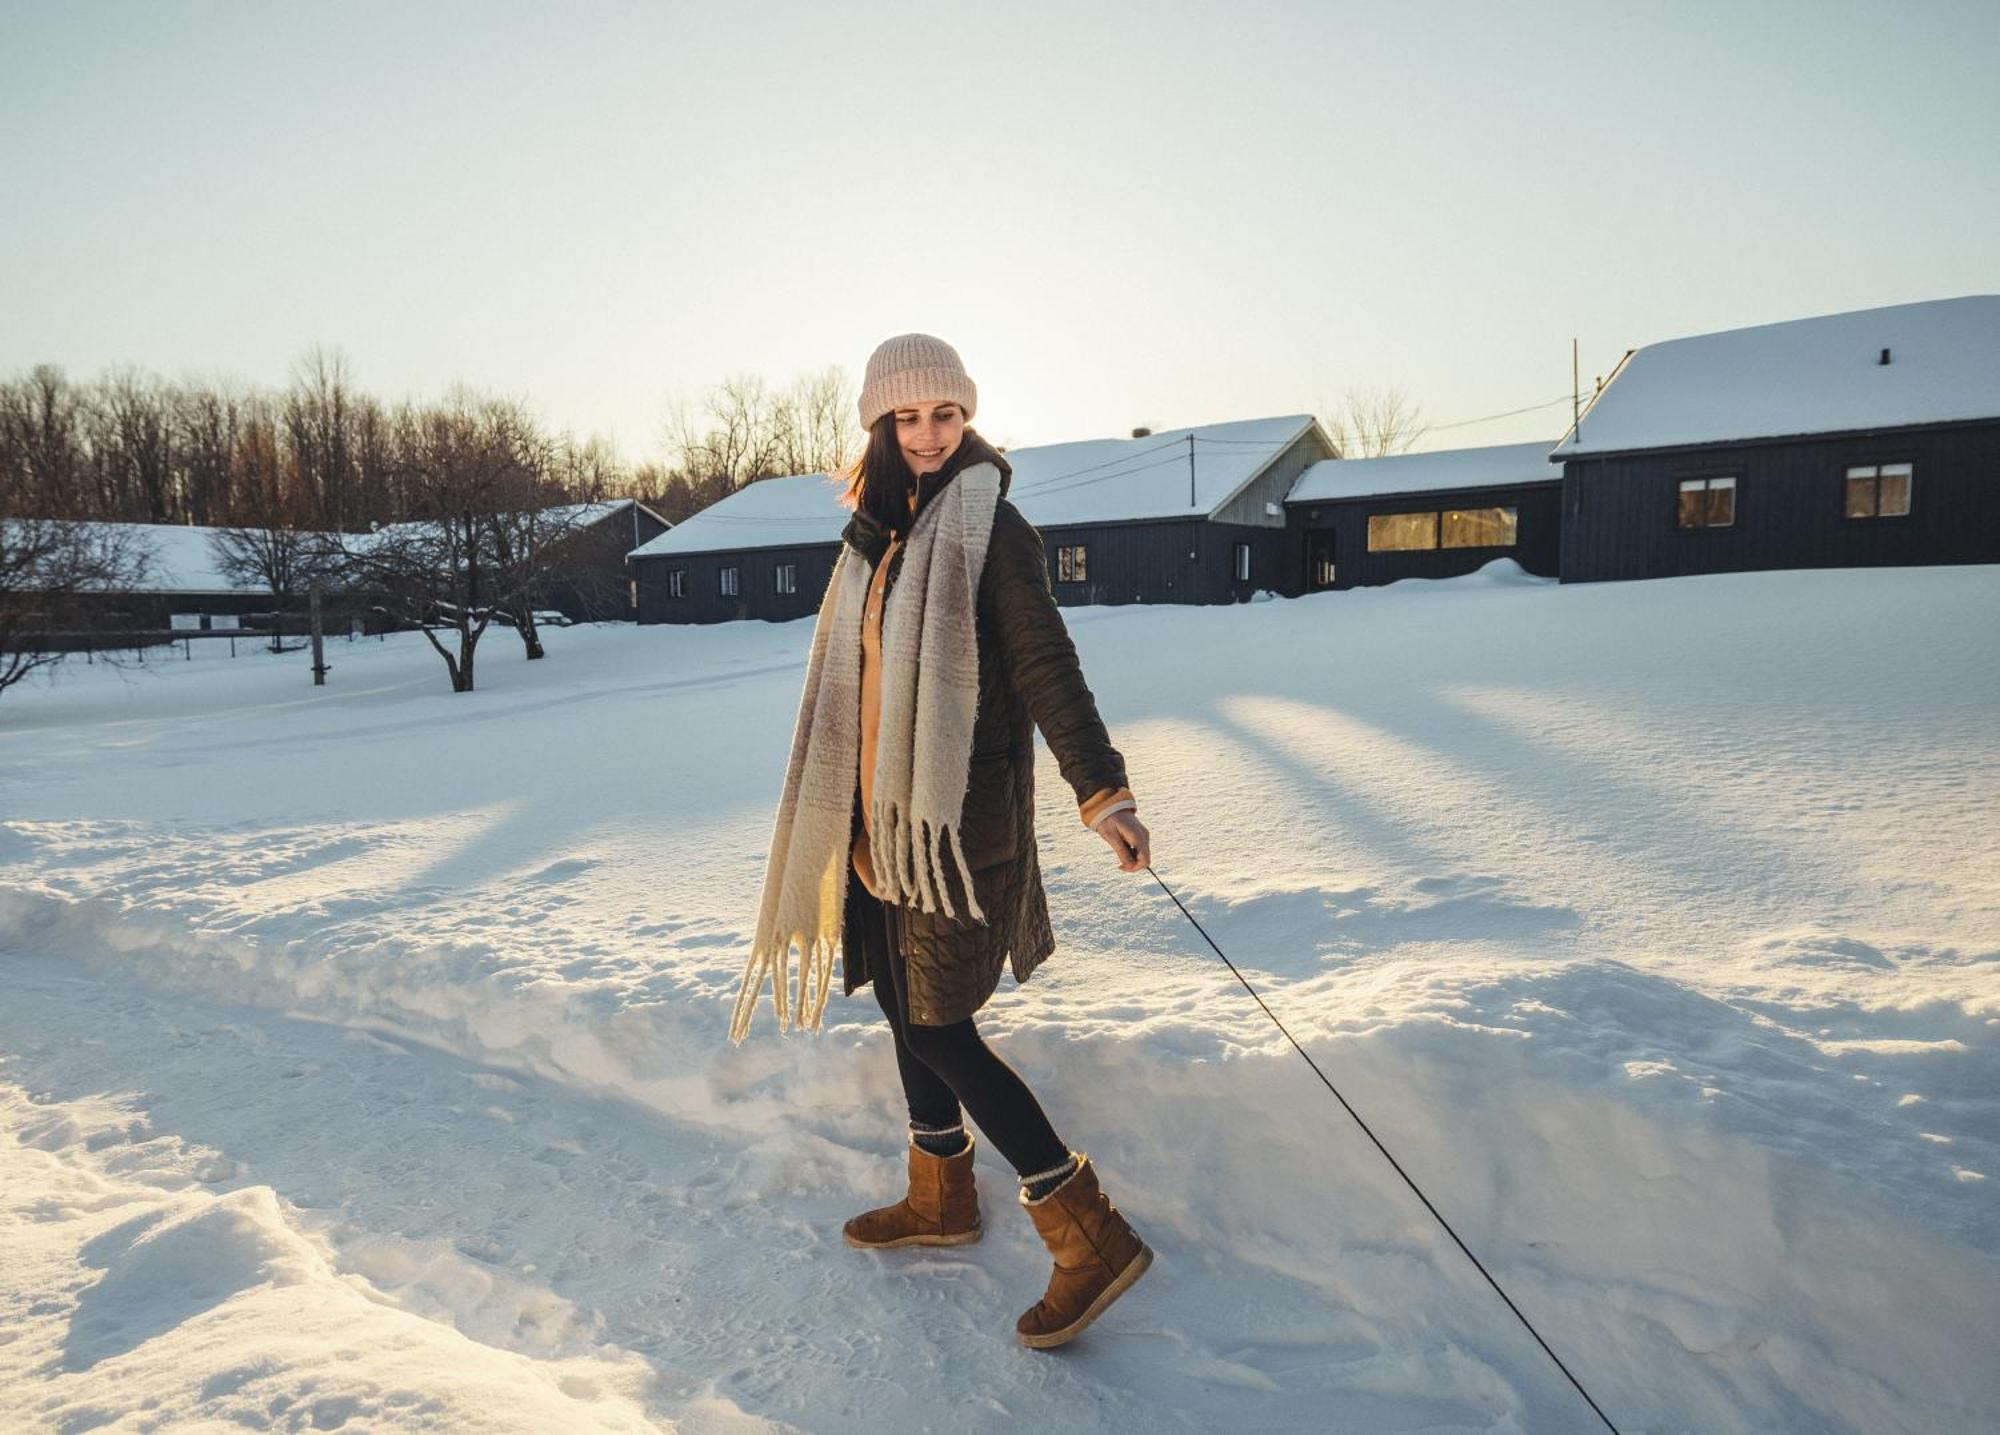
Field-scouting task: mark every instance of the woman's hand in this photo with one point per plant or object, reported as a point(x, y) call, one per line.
point(1129, 839)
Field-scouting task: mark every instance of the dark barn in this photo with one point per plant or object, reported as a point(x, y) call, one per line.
point(1358, 522)
point(593, 583)
point(1184, 516)
point(765, 551)
point(1849, 440)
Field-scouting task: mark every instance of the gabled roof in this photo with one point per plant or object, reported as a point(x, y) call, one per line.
point(1119, 479)
point(178, 559)
point(1806, 376)
point(582, 515)
point(1093, 481)
point(771, 513)
point(1495, 466)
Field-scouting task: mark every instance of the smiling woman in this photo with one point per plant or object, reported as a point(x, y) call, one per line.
point(905, 834)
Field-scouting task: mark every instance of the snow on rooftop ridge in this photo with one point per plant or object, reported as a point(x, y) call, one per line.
point(1109, 480)
point(1803, 376)
point(1120, 479)
point(770, 513)
point(179, 558)
point(1488, 467)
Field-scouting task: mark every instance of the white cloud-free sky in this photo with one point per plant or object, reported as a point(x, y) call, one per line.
point(1120, 213)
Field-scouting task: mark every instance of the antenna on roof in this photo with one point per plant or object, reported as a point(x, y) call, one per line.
point(1575, 390)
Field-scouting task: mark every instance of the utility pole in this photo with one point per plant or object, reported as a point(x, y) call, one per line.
point(1190, 470)
point(319, 650)
point(1575, 389)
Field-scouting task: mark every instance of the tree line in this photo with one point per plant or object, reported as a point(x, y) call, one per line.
point(444, 513)
point(135, 447)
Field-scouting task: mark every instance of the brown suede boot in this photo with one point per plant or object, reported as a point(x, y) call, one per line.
point(1097, 1253)
point(941, 1209)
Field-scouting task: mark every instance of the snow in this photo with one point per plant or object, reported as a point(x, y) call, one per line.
point(1807, 376)
point(1089, 481)
point(180, 559)
point(1491, 467)
point(364, 1052)
point(770, 513)
point(1114, 480)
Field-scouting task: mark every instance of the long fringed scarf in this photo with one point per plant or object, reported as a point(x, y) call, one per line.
point(930, 701)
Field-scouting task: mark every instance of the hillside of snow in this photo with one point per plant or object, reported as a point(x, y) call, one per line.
point(363, 1059)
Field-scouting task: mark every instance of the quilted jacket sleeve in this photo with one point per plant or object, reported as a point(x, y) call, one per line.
point(1039, 659)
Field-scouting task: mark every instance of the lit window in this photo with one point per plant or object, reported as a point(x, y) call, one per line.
point(728, 588)
point(787, 577)
point(1070, 564)
point(1479, 527)
point(1879, 490)
point(1707, 503)
point(1395, 532)
point(632, 593)
point(1242, 562)
point(677, 583)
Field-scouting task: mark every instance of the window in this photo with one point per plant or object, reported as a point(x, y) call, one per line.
point(786, 576)
point(1707, 503)
point(1394, 532)
point(1069, 563)
point(728, 581)
point(1323, 569)
point(1242, 562)
point(1879, 490)
point(677, 582)
point(632, 593)
point(1479, 527)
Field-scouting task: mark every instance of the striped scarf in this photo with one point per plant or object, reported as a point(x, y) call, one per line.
point(930, 700)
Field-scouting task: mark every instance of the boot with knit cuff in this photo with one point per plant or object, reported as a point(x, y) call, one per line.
point(940, 1209)
point(1097, 1258)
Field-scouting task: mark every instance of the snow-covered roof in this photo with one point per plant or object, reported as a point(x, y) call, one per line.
point(1117, 479)
point(1500, 464)
point(1806, 376)
point(1092, 481)
point(582, 515)
point(770, 513)
point(179, 558)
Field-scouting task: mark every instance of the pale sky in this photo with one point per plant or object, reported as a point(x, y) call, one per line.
point(1120, 214)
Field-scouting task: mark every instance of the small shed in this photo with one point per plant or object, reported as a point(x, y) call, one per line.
point(1845, 440)
point(1357, 522)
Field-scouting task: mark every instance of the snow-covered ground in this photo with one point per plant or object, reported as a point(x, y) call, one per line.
point(363, 1051)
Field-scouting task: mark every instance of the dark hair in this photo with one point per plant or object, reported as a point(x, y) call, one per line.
point(878, 482)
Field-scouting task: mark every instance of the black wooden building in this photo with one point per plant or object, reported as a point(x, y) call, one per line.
point(1184, 516)
point(592, 582)
point(1846, 440)
point(1362, 521)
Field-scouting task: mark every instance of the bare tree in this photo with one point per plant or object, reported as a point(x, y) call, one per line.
point(1373, 423)
point(745, 430)
point(460, 463)
point(273, 542)
point(319, 424)
point(42, 454)
point(47, 566)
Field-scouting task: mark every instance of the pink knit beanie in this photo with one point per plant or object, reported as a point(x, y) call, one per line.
point(910, 369)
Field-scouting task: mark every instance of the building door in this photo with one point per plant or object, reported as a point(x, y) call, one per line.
point(1319, 559)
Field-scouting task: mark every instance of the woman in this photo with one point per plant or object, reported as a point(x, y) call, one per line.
point(905, 835)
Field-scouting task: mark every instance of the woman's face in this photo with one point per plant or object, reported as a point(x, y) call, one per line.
point(929, 433)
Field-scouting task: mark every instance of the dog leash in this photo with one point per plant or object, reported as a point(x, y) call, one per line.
point(1477, 1264)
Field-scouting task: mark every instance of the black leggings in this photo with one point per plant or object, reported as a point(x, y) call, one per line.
point(943, 1066)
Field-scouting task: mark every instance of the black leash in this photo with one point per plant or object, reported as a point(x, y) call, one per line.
point(1477, 1265)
